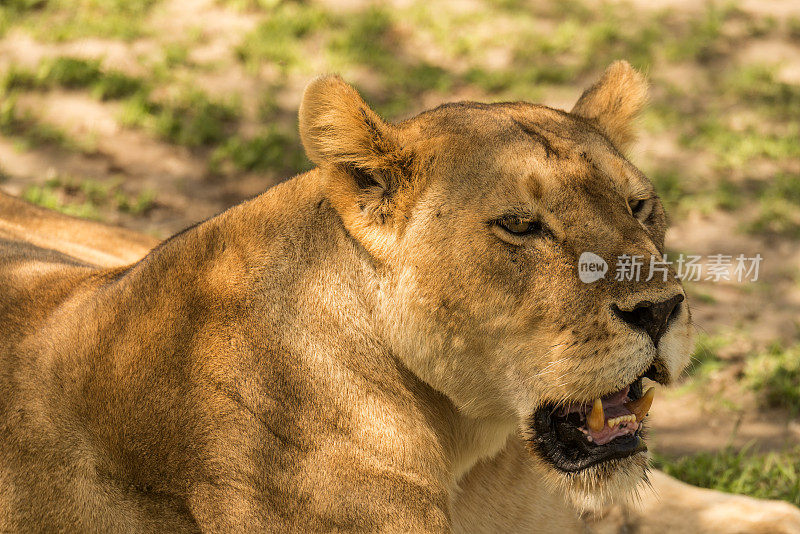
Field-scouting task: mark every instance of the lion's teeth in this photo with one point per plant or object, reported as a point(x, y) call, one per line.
point(641, 406)
point(614, 421)
point(597, 419)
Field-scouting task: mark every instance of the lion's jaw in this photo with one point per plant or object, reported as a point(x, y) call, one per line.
point(494, 390)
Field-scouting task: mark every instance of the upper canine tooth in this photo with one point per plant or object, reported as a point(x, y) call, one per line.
point(640, 407)
point(596, 419)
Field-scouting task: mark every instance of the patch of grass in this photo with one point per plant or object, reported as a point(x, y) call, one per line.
point(74, 73)
point(28, 131)
point(136, 205)
point(278, 39)
point(775, 376)
point(705, 358)
point(615, 36)
point(759, 86)
point(249, 5)
point(705, 298)
point(728, 195)
point(175, 54)
point(188, 119)
point(580, 41)
point(273, 148)
point(702, 39)
point(776, 216)
point(779, 208)
point(86, 198)
point(793, 27)
point(12, 10)
point(773, 475)
point(669, 186)
point(48, 198)
point(293, 31)
point(64, 20)
point(519, 84)
point(736, 147)
point(761, 27)
point(370, 38)
point(366, 38)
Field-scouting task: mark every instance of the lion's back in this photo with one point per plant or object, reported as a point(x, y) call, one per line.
point(25, 227)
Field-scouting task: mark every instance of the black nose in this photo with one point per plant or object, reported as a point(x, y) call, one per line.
point(652, 317)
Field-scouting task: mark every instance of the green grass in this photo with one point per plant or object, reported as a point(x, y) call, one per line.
point(371, 39)
point(793, 27)
point(175, 54)
point(774, 475)
point(777, 199)
point(736, 147)
point(279, 38)
point(705, 358)
point(65, 20)
point(135, 205)
point(86, 198)
point(250, 5)
point(670, 187)
point(272, 148)
point(759, 86)
point(778, 207)
point(188, 118)
point(11, 11)
point(73, 73)
point(48, 198)
point(28, 131)
point(775, 376)
point(703, 37)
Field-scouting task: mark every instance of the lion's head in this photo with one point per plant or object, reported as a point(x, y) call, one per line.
point(476, 216)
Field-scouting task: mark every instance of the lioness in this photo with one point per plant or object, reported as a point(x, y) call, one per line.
point(396, 341)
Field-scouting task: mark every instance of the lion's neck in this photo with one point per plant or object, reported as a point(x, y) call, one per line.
point(303, 298)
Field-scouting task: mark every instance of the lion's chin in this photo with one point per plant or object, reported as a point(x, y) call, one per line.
point(596, 487)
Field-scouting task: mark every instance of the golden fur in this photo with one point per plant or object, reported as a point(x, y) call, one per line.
point(358, 349)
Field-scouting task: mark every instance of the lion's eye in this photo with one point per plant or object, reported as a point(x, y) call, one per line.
point(519, 226)
point(637, 206)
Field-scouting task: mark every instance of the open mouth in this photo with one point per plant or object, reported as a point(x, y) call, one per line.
point(577, 436)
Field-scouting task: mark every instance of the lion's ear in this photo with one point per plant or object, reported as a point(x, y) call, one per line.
point(613, 103)
point(342, 134)
point(365, 164)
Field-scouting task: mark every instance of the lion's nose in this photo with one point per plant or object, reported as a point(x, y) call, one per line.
point(652, 317)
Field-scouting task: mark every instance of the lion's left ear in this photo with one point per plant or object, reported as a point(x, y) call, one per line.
point(361, 151)
point(365, 165)
point(613, 103)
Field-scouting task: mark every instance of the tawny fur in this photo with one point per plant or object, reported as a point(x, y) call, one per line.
point(613, 102)
point(358, 349)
